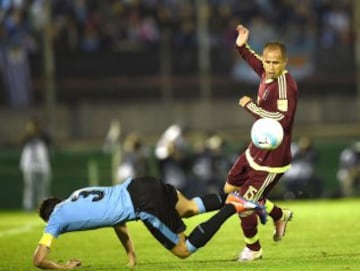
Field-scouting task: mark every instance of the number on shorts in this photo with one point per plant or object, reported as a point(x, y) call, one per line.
point(251, 193)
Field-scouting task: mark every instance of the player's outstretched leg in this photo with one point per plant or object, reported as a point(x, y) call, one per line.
point(198, 205)
point(205, 231)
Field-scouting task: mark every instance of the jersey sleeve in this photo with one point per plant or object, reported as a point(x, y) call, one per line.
point(51, 232)
point(252, 58)
point(259, 112)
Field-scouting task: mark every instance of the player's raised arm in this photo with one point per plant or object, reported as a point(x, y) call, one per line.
point(243, 35)
point(252, 58)
point(125, 239)
point(42, 261)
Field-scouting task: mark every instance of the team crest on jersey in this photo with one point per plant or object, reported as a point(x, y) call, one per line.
point(282, 105)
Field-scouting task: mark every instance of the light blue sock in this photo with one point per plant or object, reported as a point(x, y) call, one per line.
point(190, 247)
point(200, 205)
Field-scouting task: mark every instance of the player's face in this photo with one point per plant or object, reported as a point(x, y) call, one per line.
point(273, 62)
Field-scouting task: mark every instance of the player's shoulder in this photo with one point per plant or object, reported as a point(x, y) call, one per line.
point(290, 80)
point(288, 75)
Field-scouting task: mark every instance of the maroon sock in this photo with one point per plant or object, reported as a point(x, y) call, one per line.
point(276, 213)
point(249, 228)
point(254, 247)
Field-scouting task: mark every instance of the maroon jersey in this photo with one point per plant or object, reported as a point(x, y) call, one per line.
point(276, 99)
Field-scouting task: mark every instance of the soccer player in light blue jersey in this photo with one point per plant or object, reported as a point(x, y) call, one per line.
point(159, 206)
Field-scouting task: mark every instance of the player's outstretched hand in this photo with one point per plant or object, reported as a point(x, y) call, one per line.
point(243, 35)
point(73, 263)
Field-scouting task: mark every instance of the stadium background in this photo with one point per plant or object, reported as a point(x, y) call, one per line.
point(186, 71)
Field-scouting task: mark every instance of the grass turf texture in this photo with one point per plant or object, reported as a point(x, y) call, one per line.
point(324, 235)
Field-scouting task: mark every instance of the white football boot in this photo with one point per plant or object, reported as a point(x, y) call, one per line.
point(249, 255)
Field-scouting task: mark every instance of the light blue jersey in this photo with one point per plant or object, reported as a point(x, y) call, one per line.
point(91, 208)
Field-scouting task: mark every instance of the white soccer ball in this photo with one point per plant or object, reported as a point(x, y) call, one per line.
point(267, 134)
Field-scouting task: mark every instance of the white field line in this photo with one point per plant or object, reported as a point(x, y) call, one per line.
point(19, 230)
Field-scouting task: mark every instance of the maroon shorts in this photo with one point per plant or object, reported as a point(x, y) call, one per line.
point(254, 185)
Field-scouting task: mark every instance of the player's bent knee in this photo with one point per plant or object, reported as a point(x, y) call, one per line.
point(183, 256)
point(181, 251)
point(228, 188)
point(192, 209)
point(186, 207)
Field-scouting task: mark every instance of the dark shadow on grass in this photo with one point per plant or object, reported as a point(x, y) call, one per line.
point(175, 262)
point(160, 265)
point(168, 264)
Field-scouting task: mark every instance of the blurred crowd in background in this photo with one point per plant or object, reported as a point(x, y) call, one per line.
point(93, 25)
point(309, 28)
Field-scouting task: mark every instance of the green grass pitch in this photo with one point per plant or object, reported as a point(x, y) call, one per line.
point(324, 235)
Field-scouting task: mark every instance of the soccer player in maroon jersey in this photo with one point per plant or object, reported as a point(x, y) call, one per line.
point(256, 171)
